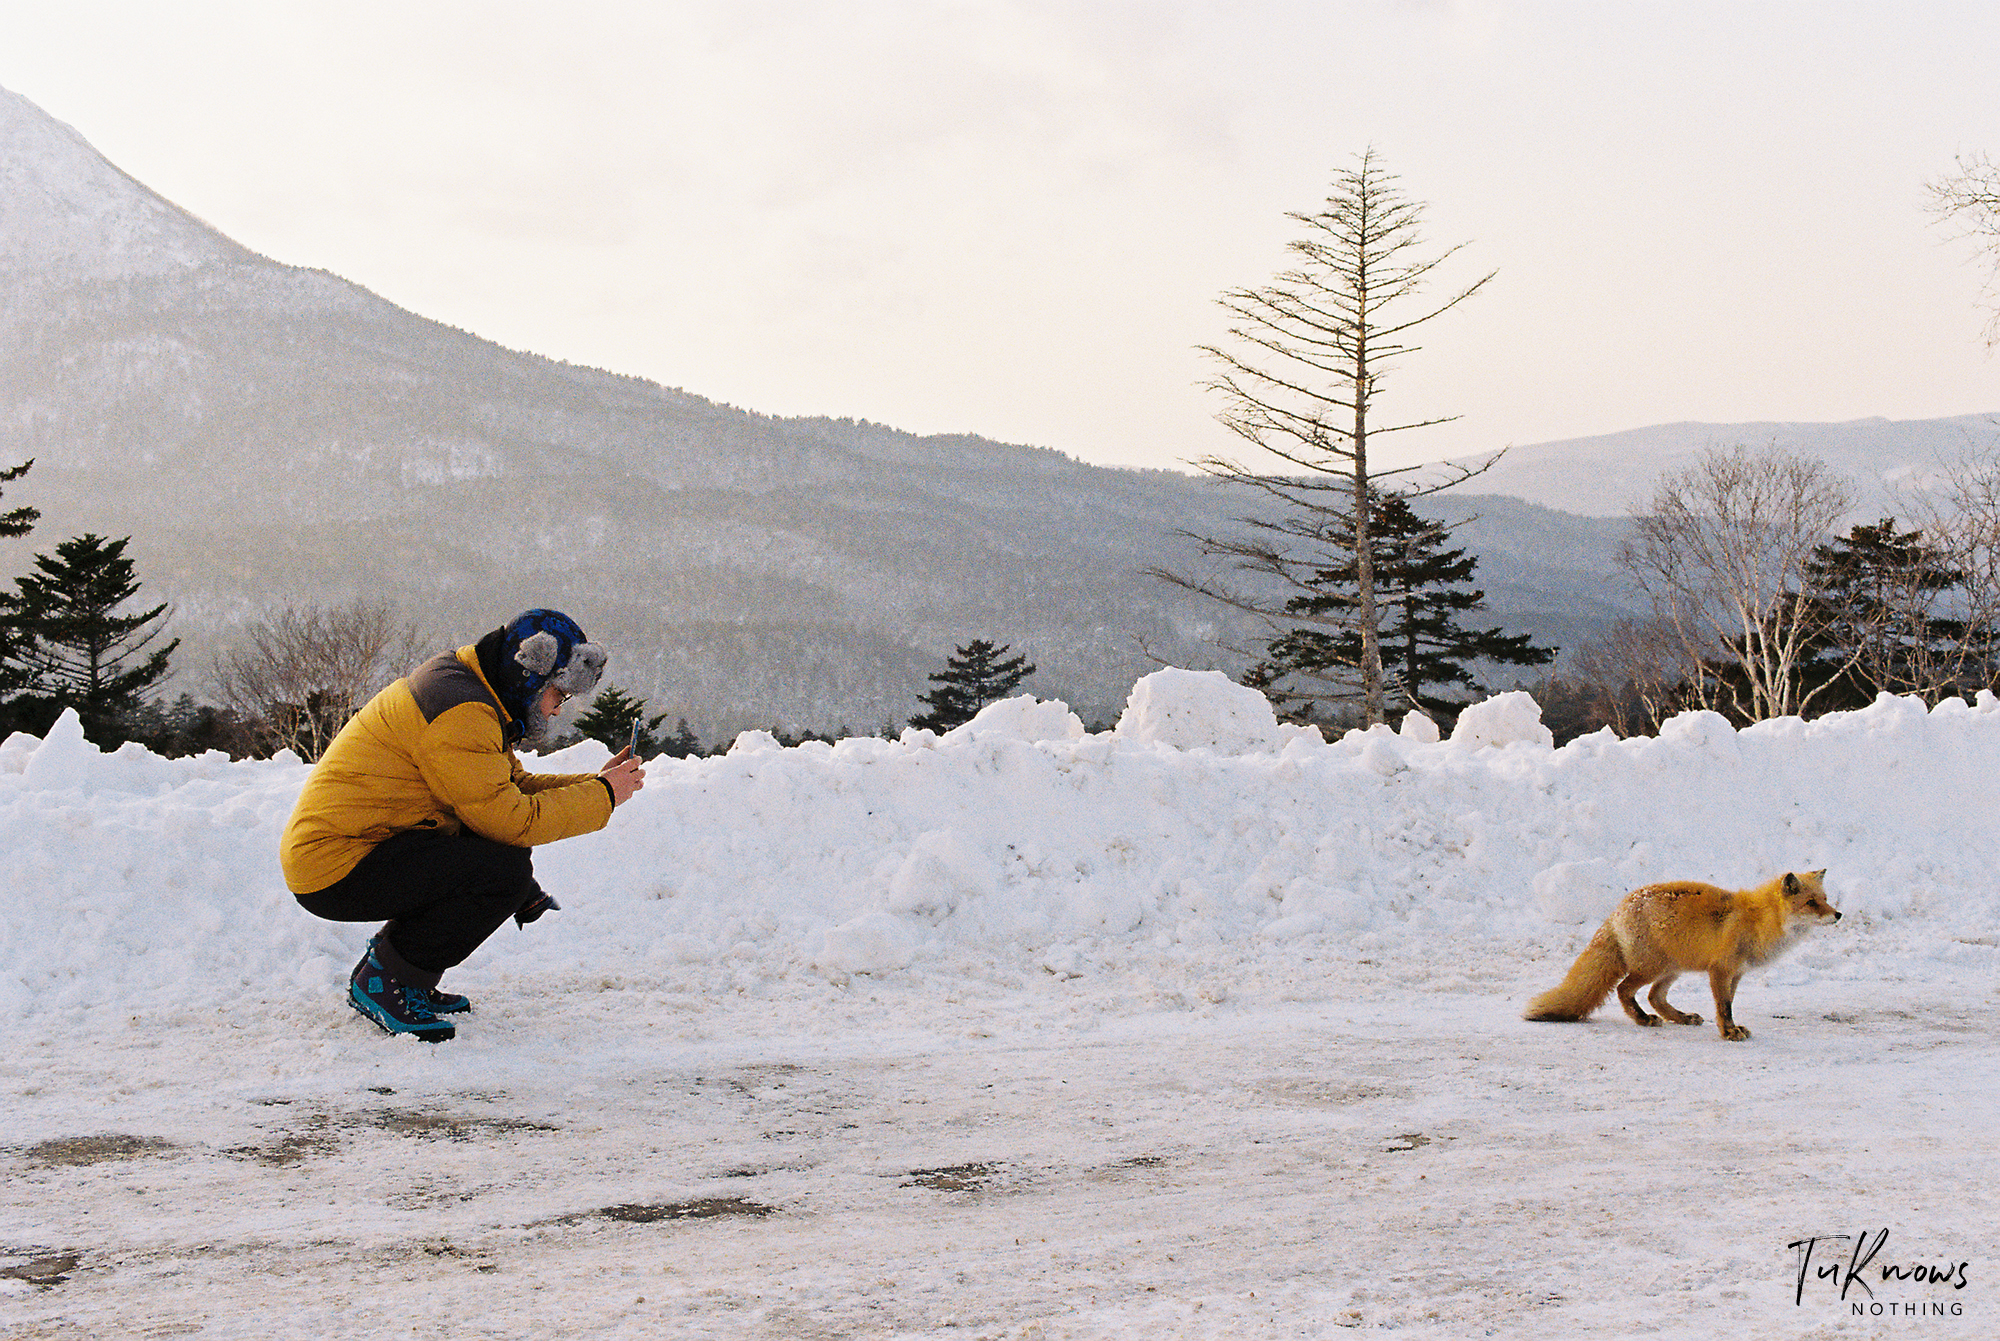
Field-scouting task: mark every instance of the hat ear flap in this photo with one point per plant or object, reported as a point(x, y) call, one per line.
point(537, 653)
point(585, 668)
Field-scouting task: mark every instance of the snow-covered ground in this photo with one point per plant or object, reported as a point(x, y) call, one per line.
point(1199, 1028)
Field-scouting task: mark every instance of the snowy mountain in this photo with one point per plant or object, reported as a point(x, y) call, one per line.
point(270, 435)
point(1606, 476)
point(65, 211)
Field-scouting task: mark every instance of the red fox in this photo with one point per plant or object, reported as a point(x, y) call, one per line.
point(1662, 931)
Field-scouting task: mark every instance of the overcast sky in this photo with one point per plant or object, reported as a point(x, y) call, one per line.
point(1012, 217)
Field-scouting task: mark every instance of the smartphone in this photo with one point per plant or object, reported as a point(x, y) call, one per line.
point(632, 746)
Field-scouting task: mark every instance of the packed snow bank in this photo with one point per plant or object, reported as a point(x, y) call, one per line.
point(1198, 851)
point(1200, 710)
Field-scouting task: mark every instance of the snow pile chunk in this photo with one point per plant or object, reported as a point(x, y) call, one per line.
point(16, 750)
point(1378, 752)
point(875, 942)
point(64, 760)
point(1711, 731)
point(1199, 710)
point(940, 874)
point(1505, 719)
point(1578, 891)
point(1024, 718)
point(1419, 728)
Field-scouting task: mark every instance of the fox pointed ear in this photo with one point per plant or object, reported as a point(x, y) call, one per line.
point(1820, 874)
point(1791, 883)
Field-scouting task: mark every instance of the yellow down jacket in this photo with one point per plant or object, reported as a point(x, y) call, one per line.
point(429, 752)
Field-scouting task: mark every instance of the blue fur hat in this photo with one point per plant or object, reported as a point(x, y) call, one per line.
point(536, 649)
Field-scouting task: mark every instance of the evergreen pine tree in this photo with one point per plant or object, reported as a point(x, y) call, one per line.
point(1428, 653)
point(975, 675)
point(80, 652)
point(16, 521)
point(183, 727)
point(1875, 593)
point(682, 744)
point(610, 718)
point(13, 638)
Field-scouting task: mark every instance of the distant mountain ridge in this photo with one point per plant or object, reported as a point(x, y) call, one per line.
point(1612, 473)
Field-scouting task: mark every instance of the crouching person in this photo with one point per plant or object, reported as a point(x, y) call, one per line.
point(420, 816)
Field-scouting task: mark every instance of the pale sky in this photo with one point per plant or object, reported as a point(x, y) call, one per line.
point(1012, 217)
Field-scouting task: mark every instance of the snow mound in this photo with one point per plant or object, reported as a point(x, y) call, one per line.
point(969, 859)
point(872, 943)
point(64, 760)
point(1418, 728)
point(1505, 719)
point(1025, 718)
point(1708, 731)
point(1578, 891)
point(940, 873)
point(1199, 710)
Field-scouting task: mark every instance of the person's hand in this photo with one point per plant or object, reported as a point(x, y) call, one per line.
point(625, 775)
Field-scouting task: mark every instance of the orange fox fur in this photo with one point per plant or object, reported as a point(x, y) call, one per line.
point(1662, 931)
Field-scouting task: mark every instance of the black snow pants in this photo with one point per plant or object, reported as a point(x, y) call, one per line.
point(442, 895)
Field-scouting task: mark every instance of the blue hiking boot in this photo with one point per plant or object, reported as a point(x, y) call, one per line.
point(447, 1003)
point(396, 1008)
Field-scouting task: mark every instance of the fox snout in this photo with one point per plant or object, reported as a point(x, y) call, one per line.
point(1807, 895)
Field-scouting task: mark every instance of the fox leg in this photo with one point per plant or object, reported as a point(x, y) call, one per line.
point(1628, 991)
point(1658, 996)
point(1722, 981)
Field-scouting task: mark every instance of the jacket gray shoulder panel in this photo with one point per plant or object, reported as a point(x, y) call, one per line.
point(444, 682)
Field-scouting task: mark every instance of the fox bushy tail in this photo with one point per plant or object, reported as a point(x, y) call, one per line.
point(1589, 980)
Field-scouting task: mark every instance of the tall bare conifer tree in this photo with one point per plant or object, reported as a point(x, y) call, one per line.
point(1299, 383)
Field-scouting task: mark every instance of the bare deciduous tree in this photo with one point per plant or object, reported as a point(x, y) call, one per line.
point(1963, 522)
point(1300, 385)
point(1722, 551)
point(306, 671)
point(1638, 669)
point(1969, 200)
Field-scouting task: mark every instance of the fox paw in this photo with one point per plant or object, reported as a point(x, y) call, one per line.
point(1735, 1033)
point(1647, 1021)
point(1687, 1019)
